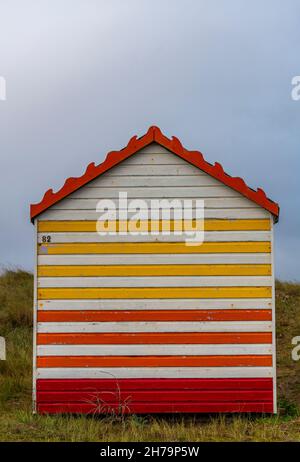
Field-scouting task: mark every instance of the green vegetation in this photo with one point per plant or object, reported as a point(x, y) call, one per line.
point(16, 290)
point(18, 424)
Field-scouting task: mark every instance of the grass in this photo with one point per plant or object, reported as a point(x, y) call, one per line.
point(18, 424)
point(16, 326)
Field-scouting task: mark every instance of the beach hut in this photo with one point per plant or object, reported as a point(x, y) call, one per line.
point(154, 287)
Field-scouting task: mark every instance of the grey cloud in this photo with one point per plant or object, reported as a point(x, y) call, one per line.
point(83, 77)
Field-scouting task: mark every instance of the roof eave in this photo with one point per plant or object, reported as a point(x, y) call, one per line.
point(174, 145)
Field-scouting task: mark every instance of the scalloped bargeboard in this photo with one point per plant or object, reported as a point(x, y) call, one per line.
point(173, 145)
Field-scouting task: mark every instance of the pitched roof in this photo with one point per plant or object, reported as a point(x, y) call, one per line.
point(154, 134)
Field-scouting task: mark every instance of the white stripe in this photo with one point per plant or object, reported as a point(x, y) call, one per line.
point(62, 215)
point(159, 192)
point(129, 181)
point(155, 304)
point(209, 236)
point(153, 170)
point(156, 155)
point(150, 326)
point(209, 203)
point(156, 281)
point(153, 372)
point(152, 350)
point(154, 148)
point(156, 259)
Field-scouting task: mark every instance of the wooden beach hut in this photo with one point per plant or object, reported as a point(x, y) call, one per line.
point(138, 322)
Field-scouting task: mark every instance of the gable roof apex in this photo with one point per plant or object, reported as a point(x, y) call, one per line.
point(173, 145)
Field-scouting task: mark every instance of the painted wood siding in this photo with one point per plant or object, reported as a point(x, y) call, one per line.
point(194, 323)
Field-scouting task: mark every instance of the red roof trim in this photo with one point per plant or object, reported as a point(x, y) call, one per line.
point(174, 145)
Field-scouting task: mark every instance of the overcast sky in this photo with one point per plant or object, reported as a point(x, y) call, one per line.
point(84, 76)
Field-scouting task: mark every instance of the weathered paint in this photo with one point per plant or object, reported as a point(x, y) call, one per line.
point(154, 361)
point(153, 248)
point(209, 225)
point(153, 338)
point(154, 270)
point(154, 315)
point(155, 395)
point(158, 304)
point(153, 292)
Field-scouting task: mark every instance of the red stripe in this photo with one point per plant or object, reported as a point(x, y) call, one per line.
point(112, 397)
point(142, 396)
point(144, 338)
point(155, 361)
point(147, 408)
point(154, 384)
point(153, 315)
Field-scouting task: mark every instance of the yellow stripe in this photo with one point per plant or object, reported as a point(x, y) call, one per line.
point(155, 270)
point(209, 225)
point(153, 248)
point(154, 292)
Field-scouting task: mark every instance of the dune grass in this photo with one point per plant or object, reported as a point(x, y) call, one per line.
point(16, 290)
point(17, 423)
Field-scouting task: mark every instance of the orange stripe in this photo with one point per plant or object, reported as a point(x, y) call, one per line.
point(155, 315)
point(154, 338)
point(154, 361)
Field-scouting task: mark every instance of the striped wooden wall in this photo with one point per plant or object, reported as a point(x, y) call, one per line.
point(146, 323)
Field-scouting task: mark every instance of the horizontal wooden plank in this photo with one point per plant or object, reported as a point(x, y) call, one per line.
point(166, 396)
point(156, 281)
point(153, 292)
point(216, 213)
point(134, 327)
point(154, 350)
point(153, 270)
point(147, 203)
point(155, 259)
point(109, 384)
point(156, 304)
point(154, 338)
point(154, 315)
point(197, 192)
point(154, 247)
point(154, 372)
point(162, 157)
point(126, 181)
point(166, 236)
point(160, 408)
point(156, 155)
point(209, 225)
point(155, 361)
point(153, 170)
point(154, 148)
